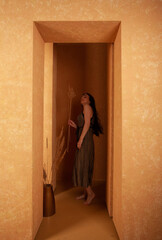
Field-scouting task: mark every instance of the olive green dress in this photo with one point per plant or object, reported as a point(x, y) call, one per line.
point(84, 157)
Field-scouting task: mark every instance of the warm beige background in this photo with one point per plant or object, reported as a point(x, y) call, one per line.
point(141, 109)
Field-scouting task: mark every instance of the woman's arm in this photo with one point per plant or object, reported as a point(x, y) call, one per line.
point(72, 124)
point(87, 119)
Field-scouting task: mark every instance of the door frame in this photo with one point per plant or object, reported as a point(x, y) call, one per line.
point(65, 32)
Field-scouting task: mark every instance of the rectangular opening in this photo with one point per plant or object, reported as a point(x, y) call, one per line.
point(88, 32)
point(83, 68)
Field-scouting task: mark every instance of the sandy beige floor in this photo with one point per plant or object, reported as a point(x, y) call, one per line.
point(75, 221)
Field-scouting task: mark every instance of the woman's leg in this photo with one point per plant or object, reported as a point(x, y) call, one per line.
point(83, 196)
point(91, 195)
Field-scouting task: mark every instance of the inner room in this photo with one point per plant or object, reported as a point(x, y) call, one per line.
point(81, 67)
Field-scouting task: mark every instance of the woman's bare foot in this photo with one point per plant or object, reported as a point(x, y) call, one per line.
point(81, 197)
point(89, 198)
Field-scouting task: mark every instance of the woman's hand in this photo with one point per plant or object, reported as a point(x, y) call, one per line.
point(72, 124)
point(79, 143)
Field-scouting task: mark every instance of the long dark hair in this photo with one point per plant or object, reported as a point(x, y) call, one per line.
point(97, 127)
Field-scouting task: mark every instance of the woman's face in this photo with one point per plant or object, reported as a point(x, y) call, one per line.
point(85, 99)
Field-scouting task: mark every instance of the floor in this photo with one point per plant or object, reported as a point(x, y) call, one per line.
point(75, 221)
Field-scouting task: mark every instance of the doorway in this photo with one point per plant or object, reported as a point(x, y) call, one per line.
point(61, 32)
point(81, 67)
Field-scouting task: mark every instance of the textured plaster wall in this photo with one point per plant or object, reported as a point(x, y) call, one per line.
point(48, 114)
point(141, 108)
point(117, 135)
point(110, 129)
point(37, 128)
point(54, 119)
point(15, 121)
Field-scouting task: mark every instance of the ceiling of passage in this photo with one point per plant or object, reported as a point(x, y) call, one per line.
point(78, 31)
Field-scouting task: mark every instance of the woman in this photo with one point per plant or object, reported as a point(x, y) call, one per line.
point(88, 124)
